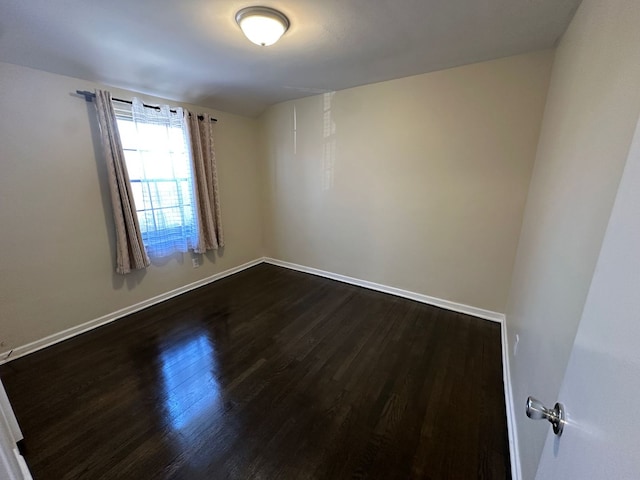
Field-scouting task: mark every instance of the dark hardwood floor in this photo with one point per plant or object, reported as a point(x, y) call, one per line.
point(268, 374)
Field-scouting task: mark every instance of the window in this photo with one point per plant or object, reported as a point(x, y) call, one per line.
point(158, 162)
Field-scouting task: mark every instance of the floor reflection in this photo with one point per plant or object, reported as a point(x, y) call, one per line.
point(189, 378)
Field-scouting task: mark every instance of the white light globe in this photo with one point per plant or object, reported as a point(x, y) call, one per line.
point(261, 25)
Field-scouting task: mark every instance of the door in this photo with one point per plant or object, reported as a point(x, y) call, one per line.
point(12, 465)
point(601, 387)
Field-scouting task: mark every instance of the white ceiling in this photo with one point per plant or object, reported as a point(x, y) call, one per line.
point(193, 51)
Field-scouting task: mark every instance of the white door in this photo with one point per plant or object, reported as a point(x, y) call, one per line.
point(12, 465)
point(601, 387)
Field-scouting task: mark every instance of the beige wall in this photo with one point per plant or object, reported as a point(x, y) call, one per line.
point(57, 260)
point(592, 109)
point(417, 183)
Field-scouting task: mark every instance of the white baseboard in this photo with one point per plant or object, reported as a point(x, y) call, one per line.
point(438, 302)
point(456, 307)
point(110, 317)
point(514, 451)
point(24, 469)
point(419, 297)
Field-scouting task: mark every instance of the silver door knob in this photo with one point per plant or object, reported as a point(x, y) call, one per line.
point(537, 411)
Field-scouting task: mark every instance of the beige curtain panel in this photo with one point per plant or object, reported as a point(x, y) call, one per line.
point(130, 252)
point(205, 182)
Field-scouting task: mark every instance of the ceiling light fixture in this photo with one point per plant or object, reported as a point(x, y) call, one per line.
point(262, 25)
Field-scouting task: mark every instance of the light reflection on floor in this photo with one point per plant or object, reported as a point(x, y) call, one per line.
point(191, 388)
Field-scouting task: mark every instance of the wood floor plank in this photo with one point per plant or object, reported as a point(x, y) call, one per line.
point(269, 373)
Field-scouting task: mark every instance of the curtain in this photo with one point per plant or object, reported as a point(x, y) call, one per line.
point(206, 182)
point(130, 251)
point(162, 179)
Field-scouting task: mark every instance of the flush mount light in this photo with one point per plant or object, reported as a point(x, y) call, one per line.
point(262, 25)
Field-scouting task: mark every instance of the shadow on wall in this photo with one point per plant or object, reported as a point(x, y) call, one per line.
point(212, 254)
point(118, 281)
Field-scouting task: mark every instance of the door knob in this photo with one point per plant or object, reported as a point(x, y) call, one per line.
point(537, 411)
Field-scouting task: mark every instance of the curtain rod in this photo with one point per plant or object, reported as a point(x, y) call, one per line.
point(89, 96)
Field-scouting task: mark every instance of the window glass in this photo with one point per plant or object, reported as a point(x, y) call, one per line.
point(160, 171)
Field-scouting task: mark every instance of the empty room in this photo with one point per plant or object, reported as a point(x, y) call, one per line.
point(319, 239)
